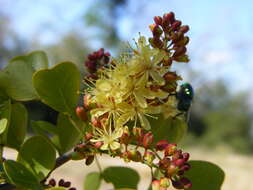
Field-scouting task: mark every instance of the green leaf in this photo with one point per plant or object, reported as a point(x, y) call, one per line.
point(205, 175)
point(5, 114)
point(68, 135)
point(16, 132)
point(20, 175)
point(58, 87)
point(170, 129)
point(121, 177)
point(38, 154)
point(92, 181)
point(3, 125)
point(44, 128)
point(16, 78)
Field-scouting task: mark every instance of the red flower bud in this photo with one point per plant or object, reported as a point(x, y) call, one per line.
point(98, 144)
point(156, 184)
point(175, 26)
point(186, 156)
point(52, 182)
point(171, 170)
point(138, 134)
point(147, 140)
point(164, 163)
point(179, 162)
point(61, 182)
point(185, 167)
point(67, 184)
point(186, 183)
point(81, 113)
point(169, 18)
point(161, 145)
point(86, 100)
point(157, 31)
point(180, 51)
point(184, 28)
point(88, 136)
point(158, 20)
point(170, 149)
point(95, 122)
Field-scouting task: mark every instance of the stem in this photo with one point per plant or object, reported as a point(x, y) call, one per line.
point(98, 165)
point(1, 153)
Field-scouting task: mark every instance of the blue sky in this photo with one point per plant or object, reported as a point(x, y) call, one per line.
point(221, 30)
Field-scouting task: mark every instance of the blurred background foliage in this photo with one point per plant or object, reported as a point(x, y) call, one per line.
point(220, 115)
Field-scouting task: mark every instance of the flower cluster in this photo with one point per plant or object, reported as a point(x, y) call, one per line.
point(172, 165)
point(123, 94)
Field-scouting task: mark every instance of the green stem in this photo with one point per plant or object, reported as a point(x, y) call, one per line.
point(98, 165)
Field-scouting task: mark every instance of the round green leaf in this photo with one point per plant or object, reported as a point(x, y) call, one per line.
point(205, 175)
point(68, 135)
point(20, 175)
point(121, 177)
point(16, 131)
point(16, 78)
point(39, 155)
point(58, 87)
point(92, 181)
point(170, 129)
point(3, 125)
point(44, 128)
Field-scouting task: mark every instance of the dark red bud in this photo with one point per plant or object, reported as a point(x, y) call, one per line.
point(161, 145)
point(92, 56)
point(147, 140)
point(81, 113)
point(171, 170)
point(185, 167)
point(100, 53)
point(52, 182)
point(184, 28)
point(177, 184)
point(164, 163)
point(72, 188)
point(158, 43)
point(179, 162)
point(158, 20)
point(170, 76)
point(186, 183)
point(95, 122)
point(175, 26)
point(180, 51)
point(157, 31)
point(186, 156)
point(67, 184)
point(138, 134)
point(169, 17)
point(61, 182)
point(89, 160)
point(86, 100)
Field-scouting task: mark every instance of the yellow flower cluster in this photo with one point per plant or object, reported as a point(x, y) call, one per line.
point(131, 90)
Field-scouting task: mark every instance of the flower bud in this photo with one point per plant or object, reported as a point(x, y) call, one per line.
point(186, 183)
point(179, 162)
point(157, 31)
point(171, 170)
point(185, 167)
point(134, 155)
point(72, 188)
point(67, 184)
point(186, 156)
point(164, 182)
point(89, 160)
point(88, 136)
point(156, 184)
point(149, 157)
point(170, 149)
point(81, 113)
point(170, 76)
point(98, 144)
point(158, 20)
point(147, 140)
point(161, 145)
point(164, 163)
point(138, 134)
point(184, 28)
point(95, 122)
point(61, 182)
point(125, 138)
point(157, 42)
point(86, 100)
point(168, 18)
point(52, 182)
point(175, 26)
point(180, 51)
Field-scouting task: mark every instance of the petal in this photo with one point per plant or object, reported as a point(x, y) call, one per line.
point(140, 99)
point(114, 145)
point(144, 122)
point(104, 146)
point(157, 78)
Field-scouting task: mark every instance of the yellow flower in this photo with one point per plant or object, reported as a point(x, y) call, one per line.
point(108, 137)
